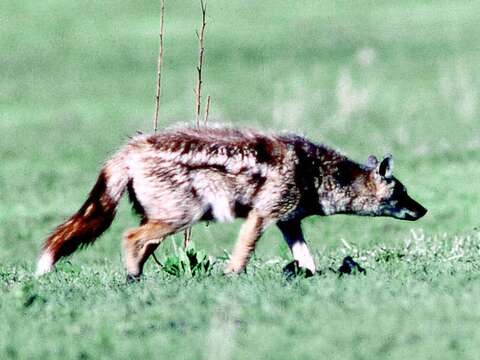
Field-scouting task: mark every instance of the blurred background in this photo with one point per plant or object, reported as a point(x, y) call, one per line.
point(77, 78)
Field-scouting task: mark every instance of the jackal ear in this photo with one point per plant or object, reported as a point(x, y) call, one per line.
point(385, 168)
point(372, 162)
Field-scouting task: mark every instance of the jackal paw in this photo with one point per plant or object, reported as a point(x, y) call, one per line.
point(293, 269)
point(132, 278)
point(233, 269)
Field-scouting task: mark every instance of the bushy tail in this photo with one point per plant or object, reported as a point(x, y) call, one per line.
point(93, 218)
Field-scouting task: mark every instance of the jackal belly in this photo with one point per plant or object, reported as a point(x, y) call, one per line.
point(176, 193)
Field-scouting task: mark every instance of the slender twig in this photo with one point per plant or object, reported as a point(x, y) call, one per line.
point(198, 91)
point(187, 235)
point(201, 50)
point(159, 69)
point(207, 109)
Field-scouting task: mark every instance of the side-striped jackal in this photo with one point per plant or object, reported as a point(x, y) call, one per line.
point(177, 178)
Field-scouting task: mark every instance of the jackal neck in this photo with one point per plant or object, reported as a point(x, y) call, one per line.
point(341, 182)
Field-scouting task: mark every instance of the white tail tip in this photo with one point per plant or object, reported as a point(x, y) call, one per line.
point(45, 264)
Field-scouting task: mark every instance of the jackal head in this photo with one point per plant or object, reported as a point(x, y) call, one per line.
point(372, 190)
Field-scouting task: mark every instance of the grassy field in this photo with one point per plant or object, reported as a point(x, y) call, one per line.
point(76, 78)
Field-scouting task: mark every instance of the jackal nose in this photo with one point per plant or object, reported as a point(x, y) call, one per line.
point(421, 212)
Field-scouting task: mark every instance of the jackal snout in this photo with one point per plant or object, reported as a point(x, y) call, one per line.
point(408, 209)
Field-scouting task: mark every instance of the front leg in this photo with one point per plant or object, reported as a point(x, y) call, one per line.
point(292, 234)
point(250, 232)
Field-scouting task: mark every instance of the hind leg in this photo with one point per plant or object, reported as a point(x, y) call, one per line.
point(140, 243)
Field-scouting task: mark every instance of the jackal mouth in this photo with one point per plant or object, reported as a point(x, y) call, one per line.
point(417, 216)
point(408, 209)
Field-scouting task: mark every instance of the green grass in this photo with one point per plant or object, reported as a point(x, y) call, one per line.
point(372, 77)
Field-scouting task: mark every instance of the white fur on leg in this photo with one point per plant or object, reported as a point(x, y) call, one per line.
point(221, 208)
point(45, 264)
point(302, 255)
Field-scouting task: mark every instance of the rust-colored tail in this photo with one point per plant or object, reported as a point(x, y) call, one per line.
point(93, 218)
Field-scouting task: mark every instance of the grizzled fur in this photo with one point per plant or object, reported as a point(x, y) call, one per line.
point(175, 179)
